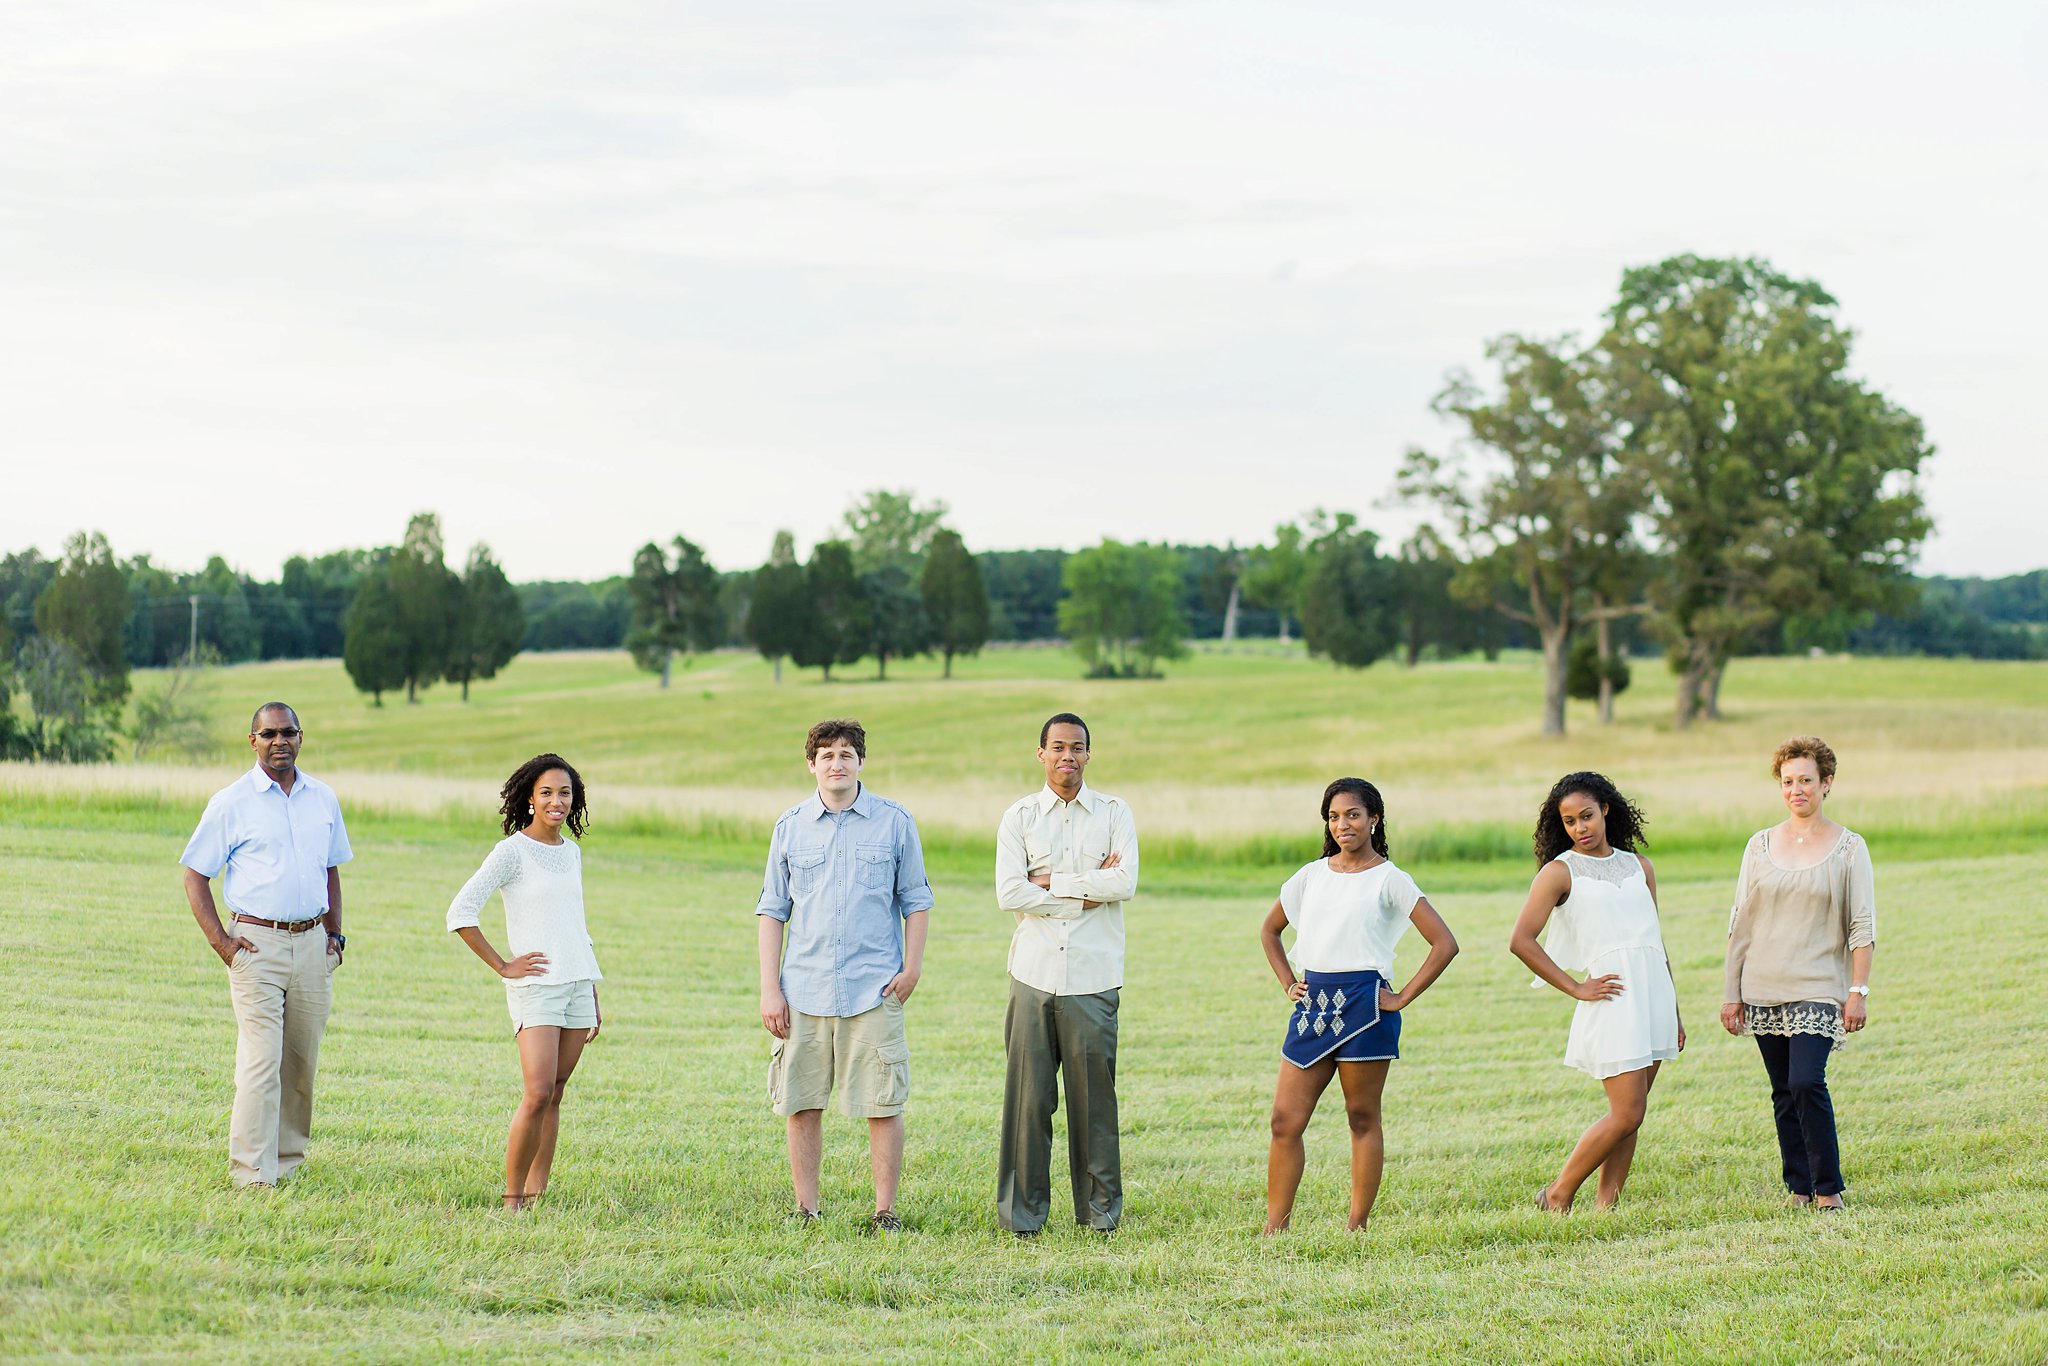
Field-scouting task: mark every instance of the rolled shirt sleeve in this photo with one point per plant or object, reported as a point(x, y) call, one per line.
point(776, 902)
point(913, 888)
point(1862, 898)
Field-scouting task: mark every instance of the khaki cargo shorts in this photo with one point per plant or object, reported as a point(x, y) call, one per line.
point(865, 1057)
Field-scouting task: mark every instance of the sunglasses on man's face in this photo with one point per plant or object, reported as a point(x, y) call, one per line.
point(270, 733)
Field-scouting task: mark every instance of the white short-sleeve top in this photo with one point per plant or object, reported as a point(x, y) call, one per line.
point(1348, 922)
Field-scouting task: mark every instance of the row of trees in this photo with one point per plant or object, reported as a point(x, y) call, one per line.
point(898, 583)
point(414, 621)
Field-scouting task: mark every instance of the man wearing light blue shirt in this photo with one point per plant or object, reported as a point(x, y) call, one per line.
point(846, 882)
point(276, 840)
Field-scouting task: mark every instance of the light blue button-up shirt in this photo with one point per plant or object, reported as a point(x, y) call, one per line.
point(844, 881)
point(274, 847)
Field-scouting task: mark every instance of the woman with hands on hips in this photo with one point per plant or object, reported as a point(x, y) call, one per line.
point(1800, 943)
point(1598, 897)
point(1348, 909)
point(551, 978)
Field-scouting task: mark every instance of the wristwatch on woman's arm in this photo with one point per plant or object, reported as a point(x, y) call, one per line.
point(1863, 991)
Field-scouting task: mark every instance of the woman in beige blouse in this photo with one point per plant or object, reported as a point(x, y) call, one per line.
point(1800, 942)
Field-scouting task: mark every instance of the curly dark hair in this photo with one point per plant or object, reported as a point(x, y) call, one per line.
point(1374, 807)
point(517, 793)
point(1625, 820)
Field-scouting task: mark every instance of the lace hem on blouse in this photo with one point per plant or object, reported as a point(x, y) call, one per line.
point(1799, 1017)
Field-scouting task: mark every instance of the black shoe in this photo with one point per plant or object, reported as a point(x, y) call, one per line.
point(1027, 1232)
point(884, 1221)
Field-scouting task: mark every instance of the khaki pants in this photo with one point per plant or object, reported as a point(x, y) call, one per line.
point(281, 995)
point(1048, 1039)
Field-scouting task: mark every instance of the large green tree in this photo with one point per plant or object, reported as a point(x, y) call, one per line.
point(779, 613)
point(1122, 609)
point(896, 621)
point(426, 593)
point(85, 606)
point(839, 610)
point(1351, 596)
point(489, 622)
point(1780, 484)
point(1536, 497)
point(955, 598)
point(675, 606)
point(887, 527)
point(373, 637)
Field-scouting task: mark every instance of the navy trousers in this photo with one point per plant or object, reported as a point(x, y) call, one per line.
point(1798, 1065)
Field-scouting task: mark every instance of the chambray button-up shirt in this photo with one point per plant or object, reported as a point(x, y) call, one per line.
point(844, 881)
point(274, 846)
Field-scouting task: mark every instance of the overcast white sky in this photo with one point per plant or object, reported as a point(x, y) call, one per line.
point(582, 275)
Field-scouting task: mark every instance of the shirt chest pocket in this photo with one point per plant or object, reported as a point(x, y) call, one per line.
point(875, 865)
point(806, 870)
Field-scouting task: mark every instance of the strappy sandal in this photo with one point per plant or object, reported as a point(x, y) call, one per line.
point(515, 1202)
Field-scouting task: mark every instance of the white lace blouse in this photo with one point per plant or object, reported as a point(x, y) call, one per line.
point(542, 886)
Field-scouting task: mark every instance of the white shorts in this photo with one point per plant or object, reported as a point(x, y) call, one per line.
point(567, 1005)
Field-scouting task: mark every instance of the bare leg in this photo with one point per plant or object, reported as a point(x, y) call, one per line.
point(1363, 1082)
point(1614, 1171)
point(551, 1118)
point(885, 1157)
point(1627, 1098)
point(1294, 1100)
point(806, 1152)
point(539, 1047)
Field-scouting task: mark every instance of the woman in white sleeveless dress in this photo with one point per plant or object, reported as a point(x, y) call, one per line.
point(1598, 897)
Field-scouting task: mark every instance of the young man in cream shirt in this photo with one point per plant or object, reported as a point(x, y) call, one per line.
point(1066, 862)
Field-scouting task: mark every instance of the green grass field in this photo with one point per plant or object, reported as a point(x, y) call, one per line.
point(663, 1237)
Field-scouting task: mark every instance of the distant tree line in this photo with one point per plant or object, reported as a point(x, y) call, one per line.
point(1705, 477)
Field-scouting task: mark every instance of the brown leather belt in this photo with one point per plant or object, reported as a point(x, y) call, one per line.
point(288, 926)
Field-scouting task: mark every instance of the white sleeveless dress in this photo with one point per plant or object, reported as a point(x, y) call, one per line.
point(1609, 924)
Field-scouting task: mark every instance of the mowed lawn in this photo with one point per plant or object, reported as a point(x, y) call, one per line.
point(663, 1235)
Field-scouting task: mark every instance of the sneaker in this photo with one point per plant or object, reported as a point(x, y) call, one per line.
point(806, 1217)
point(885, 1221)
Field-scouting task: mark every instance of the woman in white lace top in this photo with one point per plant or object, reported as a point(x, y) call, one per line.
point(1598, 898)
point(1800, 943)
point(551, 978)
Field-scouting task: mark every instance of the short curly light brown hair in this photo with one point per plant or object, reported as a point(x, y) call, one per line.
point(1806, 747)
point(842, 730)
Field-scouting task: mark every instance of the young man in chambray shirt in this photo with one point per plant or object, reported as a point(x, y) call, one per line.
point(276, 840)
point(846, 879)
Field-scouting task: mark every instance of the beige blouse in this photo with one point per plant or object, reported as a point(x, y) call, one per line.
point(1792, 929)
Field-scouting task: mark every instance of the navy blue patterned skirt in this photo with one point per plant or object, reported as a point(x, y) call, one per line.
point(1341, 1014)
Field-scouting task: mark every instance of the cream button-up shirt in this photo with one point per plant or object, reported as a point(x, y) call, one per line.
point(1059, 946)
